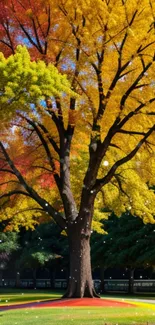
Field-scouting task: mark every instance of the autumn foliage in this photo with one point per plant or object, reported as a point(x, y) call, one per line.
point(93, 134)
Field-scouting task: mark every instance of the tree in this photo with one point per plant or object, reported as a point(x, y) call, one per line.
point(107, 50)
point(129, 243)
point(9, 243)
point(45, 247)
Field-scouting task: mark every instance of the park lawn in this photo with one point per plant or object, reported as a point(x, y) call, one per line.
point(19, 296)
point(11, 297)
point(80, 316)
point(142, 314)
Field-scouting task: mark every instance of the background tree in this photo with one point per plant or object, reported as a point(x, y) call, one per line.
point(9, 243)
point(129, 243)
point(43, 248)
point(107, 50)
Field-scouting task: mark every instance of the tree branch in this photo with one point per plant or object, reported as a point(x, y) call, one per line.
point(134, 84)
point(48, 10)
point(130, 132)
point(13, 193)
point(116, 176)
point(7, 44)
point(101, 182)
point(37, 37)
point(58, 123)
point(8, 182)
point(136, 111)
point(11, 45)
point(42, 167)
point(28, 36)
point(51, 140)
point(7, 171)
point(32, 193)
point(47, 150)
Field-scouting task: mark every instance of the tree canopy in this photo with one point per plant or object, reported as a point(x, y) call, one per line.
point(128, 243)
point(94, 139)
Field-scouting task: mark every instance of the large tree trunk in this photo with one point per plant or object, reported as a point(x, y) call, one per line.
point(80, 283)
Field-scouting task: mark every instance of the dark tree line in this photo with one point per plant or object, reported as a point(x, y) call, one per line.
point(129, 243)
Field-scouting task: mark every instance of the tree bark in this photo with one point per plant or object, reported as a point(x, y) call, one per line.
point(80, 282)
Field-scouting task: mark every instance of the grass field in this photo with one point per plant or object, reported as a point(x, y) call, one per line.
point(12, 296)
point(79, 316)
point(21, 296)
point(142, 314)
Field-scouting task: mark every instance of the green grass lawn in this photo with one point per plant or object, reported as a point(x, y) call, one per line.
point(79, 316)
point(21, 296)
point(142, 314)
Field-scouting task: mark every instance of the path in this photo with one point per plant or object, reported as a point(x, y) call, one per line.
point(97, 302)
